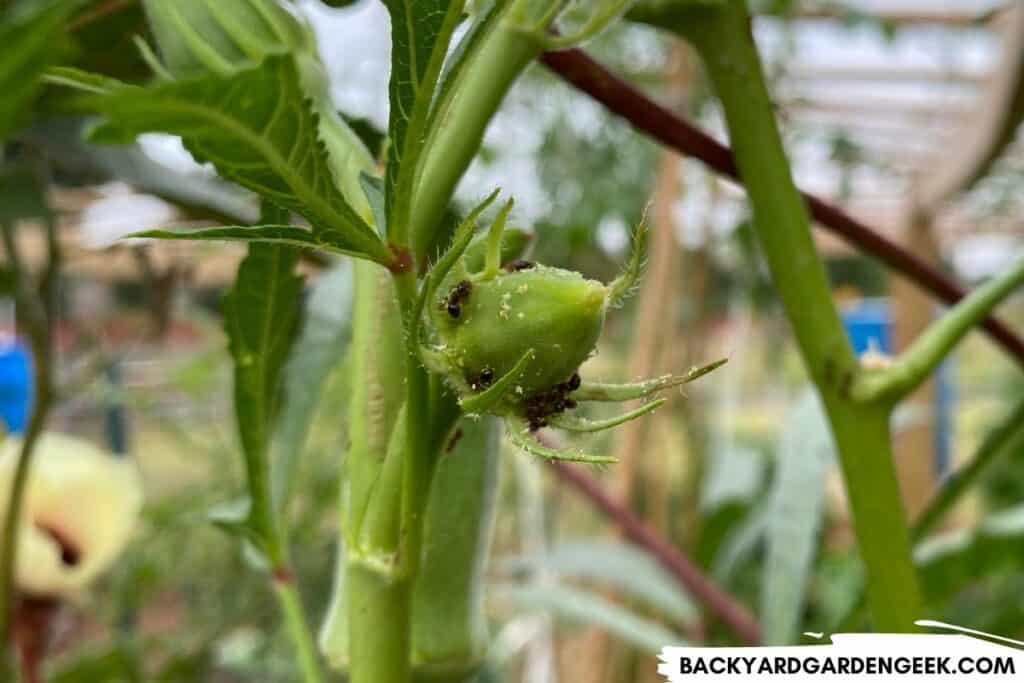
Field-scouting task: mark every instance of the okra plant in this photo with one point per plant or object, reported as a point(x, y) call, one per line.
point(447, 324)
point(455, 333)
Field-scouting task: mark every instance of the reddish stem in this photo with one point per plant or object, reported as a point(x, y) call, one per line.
point(33, 622)
point(589, 76)
point(721, 604)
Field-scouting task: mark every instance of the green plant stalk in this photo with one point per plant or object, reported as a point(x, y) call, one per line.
point(861, 432)
point(265, 518)
point(380, 627)
point(297, 627)
point(380, 592)
point(418, 467)
point(377, 597)
point(468, 107)
point(400, 210)
point(39, 311)
point(1006, 437)
point(12, 521)
point(286, 592)
point(379, 617)
point(999, 441)
point(917, 362)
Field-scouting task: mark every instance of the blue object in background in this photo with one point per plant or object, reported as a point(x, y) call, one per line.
point(869, 320)
point(15, 386)
point(945, 399)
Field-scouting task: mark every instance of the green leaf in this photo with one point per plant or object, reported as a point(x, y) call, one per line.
point(323, 341)
point(795, 514)
point(617, 565)
point(261, 316)
point(739, 546)
point(235, 519)
point(584, 608)
point(420, 33)
point(86, 81)
point(373, 188)
point(949, 562)
point(276, 234)
point(258, 130)
point(32, 40)
point(21, 194)
point(200, 193)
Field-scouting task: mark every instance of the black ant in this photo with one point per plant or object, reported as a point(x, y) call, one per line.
point(458, 296)
point(543, 404)
point(517, 265)
point(482, 380)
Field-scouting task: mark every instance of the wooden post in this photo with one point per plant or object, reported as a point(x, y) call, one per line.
point(913, 311)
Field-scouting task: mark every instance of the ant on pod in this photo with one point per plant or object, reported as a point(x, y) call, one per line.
point(510, 340)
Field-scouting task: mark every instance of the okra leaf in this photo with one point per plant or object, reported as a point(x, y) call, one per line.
point(200, 194)
point(258, 130)
point(318, 349)
point(31, 35)
point(234, 518)
point(615, 565)
point(587, 609)
point(949, 562)
point(795, 515)
point(275, 234)
point(86, 81)
point(420, 34)
point(261, 313)
point(373, 189)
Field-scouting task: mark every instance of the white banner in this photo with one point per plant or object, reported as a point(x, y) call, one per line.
point(856, 657)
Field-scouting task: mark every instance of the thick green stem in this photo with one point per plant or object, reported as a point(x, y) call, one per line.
point(1007, 437)
point(922, 357)
point(379, 618)
point(469, 105)
point(376, 596)
point(723, 37)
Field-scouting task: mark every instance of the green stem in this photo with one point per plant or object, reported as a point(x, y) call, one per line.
point(376, 587)
point(264, 517)
point(914, 365)
point(38, 307)
point(469, 105)
point(1001, 440)
point(297, 627)
point(400, 209)
point(861, 432)
point(1007, 437)
point(380, 634)
point(418, 470)
point(12, 521)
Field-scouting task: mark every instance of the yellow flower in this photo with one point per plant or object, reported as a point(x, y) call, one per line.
point(81, 505)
